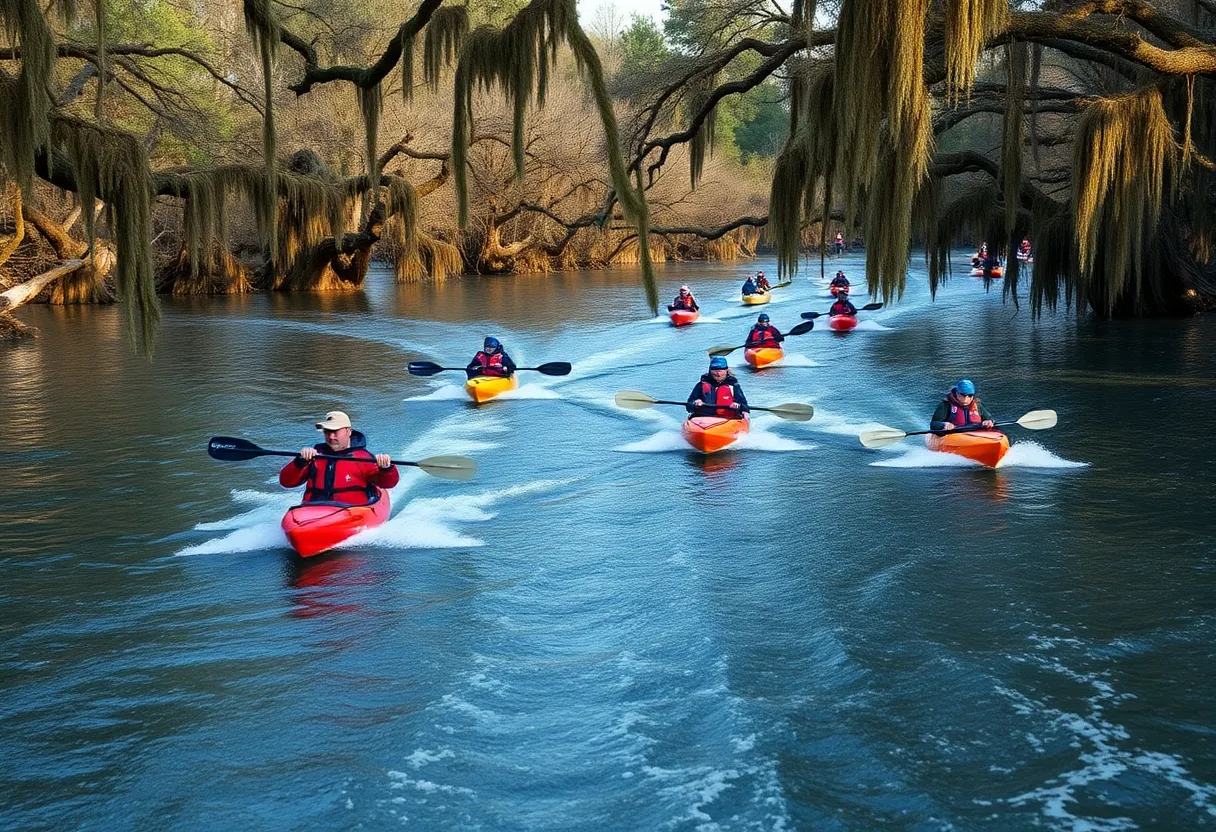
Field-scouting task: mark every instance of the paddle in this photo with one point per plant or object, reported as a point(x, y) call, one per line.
point(1034, 420)
point(794, 411)
point(232, 449)
point(869, 307)
point(430, 368)
point(800, 329)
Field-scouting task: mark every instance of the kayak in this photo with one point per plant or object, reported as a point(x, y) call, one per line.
point(986, 447)
point(836, 289)
point(760, 357)
point(760, 297)
point(712, 433)
point(842, 323)
point(681, 317)
point(313, 528)
point(483, 388)
point(996, 272)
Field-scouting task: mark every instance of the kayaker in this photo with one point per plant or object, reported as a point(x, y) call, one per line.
point(750, 287)
point(842, 305)
point(960, 408)
point(349, 480)
point(764, 334)
point(762, 282)
point(718, 393)
point(980, 256)
point(840, 281)
point(684, 300)
point(839, 243)
point(491, 361)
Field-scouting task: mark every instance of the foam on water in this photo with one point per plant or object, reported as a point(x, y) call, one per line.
point(447, 392)
point(530, 391)
point(922, 457)
point(798, 360)
point(668, 441)
point(662, 442)
point(1030, 454)
point(262, 535)
point(870, 325)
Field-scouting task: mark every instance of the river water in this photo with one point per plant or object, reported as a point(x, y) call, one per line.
point(604, 630)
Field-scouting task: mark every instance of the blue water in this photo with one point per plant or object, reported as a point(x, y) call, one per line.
point(605, 630)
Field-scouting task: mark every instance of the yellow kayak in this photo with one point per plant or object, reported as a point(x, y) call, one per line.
point(752, 300)
point(483, 388)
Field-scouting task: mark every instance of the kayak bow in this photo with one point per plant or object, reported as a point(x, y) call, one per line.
point(842, 323)
point(483, 388)
point(761, 357)
point(312, 528)
point(987, 447)
point(683, 317)
point(709, 434)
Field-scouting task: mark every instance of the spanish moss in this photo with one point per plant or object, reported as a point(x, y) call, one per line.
point(969, 25)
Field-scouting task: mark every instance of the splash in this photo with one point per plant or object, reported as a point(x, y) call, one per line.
point(668, 441)
point(662, 442)
point(870, 326)
point(1030, 454)
point(264, 535)
point(798, 360)
point(447, 392)
point(921, 457)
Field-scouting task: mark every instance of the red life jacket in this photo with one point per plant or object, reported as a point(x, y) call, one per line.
point(342, 480)
point(961, 416)
point(724, 398)
point(491, 365)
point(839, 237)
point(842, 307)
point(684, 302)
point(764, 337)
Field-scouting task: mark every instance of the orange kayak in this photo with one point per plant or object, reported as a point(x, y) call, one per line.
point(312, 528)
point(682, 317)
point(987, 447)
point(997, 271)
point(711, 433)
point(760, 357)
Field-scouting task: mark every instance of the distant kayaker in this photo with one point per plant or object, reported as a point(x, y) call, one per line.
point(349, 480)
point(764, 334)
point(685, 301)
point(839, 242)
point(750, 287)
point(491, 361)
point(718, 393)
point(762, 282)
point(840, 281)
point(960, 408)
point(980, 256)
point(842, 306)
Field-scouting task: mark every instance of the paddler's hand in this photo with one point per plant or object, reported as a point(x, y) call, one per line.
point(307, 454)
point(948, 426)
point(988, 423)
point(698, 403)
point(384, 461)
point(735, 406)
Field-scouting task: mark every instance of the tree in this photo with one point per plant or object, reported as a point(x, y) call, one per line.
point(1107, 134)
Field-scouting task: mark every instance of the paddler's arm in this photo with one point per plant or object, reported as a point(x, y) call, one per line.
point(693, 398)
point(741, 400)
point(985, 416)
point(387, 475)
point(294, 473)
point(940, 417)
point(508, 363)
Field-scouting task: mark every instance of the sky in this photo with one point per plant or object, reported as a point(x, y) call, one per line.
point(587, 8)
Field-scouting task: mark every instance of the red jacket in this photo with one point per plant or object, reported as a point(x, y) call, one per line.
point(348, 480)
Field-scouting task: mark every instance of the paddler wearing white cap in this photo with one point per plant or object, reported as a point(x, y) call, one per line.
point(352, 479)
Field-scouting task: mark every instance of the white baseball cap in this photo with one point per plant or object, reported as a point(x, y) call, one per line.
point(334, 420)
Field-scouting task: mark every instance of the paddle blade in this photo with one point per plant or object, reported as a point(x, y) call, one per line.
point(881, 438)
point(449, 467)
point(555, 368)
point(810, 316)
point(802, 329)
point(870, 307)
point(633, 400)
point(784, 284)
point(423, 368)
point(715, 351)
point(793, 411)
point(232, 449)
point(1038, 420)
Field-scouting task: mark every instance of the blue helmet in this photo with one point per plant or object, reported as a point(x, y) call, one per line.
point(763, 319)
point(718, 363)
point(966, 387)
point(491, 343)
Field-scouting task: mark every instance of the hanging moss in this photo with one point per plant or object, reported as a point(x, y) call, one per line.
point(969, 25)
point(1013, 133)
point(25, 128)
point(1123, 147)
point(370, 102)
point(703, 139)
point(264, 31)
point(518, 60)
point(113, 166)
point(99, 23)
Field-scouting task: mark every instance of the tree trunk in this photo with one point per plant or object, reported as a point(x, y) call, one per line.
point(10, 328)
point(88, 285)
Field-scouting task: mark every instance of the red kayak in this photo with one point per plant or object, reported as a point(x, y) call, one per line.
point(842, 323)
point(682, 317)
point(313, 528)
point(835, 290)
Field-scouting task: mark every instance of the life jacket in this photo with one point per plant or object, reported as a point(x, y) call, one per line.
point(842, 307)
point(962, 416)
point(762, 283)
point(491, 365)
point(723, 395)
point(840, 280)
point(839, 237)
point(682, 302)
point(763, 336)
point(342, 480)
